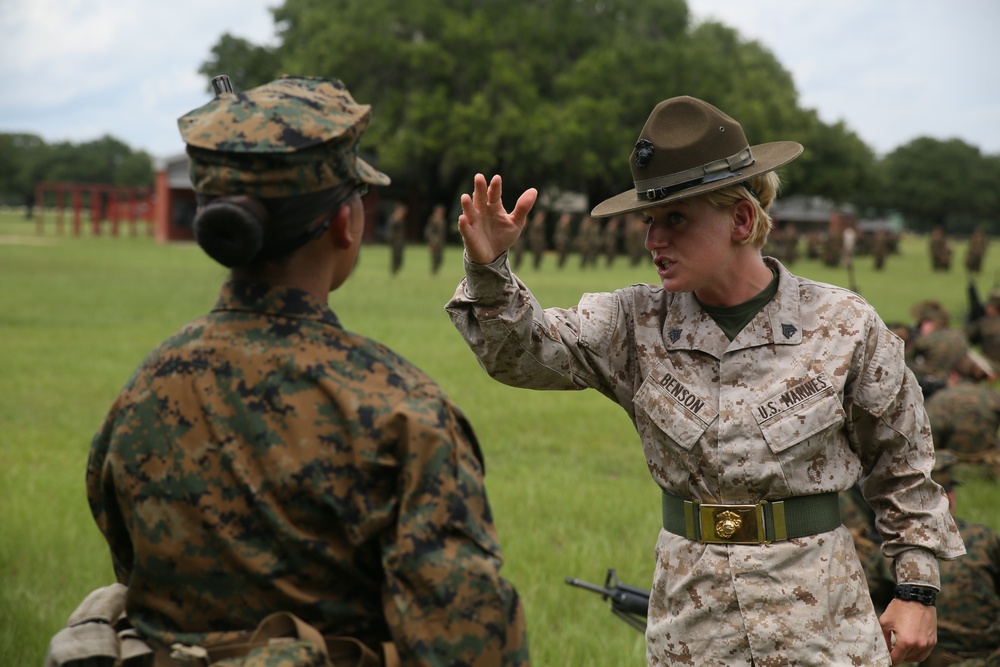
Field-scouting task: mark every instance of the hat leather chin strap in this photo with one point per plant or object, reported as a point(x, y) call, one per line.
point(658, 188)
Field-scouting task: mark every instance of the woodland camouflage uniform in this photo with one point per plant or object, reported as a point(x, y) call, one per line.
point(304, 468)
point(395, 235)
point(263, 458)
point(969, 602)
point(537, 238)
point(610, 240)
point(975, 251)
point(932, 355)
point(964, 419)
point(435, 233)
point(562, 238)
point(588, 241)
point(940, 250)
point(968, 606)
point(937, 352)
point(985, 331)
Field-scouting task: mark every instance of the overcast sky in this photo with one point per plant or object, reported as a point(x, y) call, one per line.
point(892, 70)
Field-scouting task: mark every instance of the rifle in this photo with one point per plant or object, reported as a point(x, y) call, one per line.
point(629, 603)
point(976, 308)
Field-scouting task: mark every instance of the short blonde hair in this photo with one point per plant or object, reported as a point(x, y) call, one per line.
point(762, 191)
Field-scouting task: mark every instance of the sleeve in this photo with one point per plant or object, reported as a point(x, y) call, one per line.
point(894, 438)
point(103, 501)
point(444, 599)
point(523, 345)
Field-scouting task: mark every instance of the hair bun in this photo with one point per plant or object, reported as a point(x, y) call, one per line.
point(231, 229)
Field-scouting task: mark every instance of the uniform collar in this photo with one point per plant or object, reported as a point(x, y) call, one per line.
point(266, 299)
point(689, 327)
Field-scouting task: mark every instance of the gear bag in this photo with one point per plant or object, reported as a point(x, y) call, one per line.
point(97, 634)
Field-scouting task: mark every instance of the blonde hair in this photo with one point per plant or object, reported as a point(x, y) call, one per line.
point(762, 191)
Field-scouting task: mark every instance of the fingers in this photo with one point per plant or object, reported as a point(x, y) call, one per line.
point(494, 194)
point(487, 201)
point(478, 199)
point(523, 206)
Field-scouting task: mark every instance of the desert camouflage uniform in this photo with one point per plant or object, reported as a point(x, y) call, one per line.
point(860, 520)
point(264, 459)
point(964, 419)
point(969, 603)
point(702, 406)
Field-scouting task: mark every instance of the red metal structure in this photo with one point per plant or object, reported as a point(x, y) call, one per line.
point(114, 203)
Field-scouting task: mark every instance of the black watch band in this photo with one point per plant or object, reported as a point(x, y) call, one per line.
point(912, 592)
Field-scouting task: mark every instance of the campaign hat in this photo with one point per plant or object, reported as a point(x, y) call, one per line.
point(687, 148)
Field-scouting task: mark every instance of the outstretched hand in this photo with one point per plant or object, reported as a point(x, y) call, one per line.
point(487, 229)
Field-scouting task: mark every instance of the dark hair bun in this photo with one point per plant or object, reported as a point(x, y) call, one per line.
point(231, 229)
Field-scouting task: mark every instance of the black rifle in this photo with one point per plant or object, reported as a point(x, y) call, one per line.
point(976, 308)
point(629, 603)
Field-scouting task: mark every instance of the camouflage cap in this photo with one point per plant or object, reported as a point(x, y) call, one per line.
point(930, 310)
point(289, 137)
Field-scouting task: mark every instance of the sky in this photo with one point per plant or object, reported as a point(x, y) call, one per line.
point(891, 70)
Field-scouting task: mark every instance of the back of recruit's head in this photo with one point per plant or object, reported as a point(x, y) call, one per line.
point(270, 164)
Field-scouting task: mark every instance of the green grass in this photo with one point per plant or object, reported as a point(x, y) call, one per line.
point(565, 471)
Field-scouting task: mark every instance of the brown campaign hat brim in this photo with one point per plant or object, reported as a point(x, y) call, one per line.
point(767, 157)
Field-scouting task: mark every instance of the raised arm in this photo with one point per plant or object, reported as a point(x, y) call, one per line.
point(487, 229)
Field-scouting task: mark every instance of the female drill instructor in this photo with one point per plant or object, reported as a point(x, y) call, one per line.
point(263, 459)
point(757, 395)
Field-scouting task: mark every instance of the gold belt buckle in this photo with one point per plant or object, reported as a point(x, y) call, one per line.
point(732, 524)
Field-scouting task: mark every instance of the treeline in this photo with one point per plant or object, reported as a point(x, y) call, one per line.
point(28, 160)
point(552, 93)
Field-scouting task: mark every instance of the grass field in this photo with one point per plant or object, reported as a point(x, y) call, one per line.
point(565, 471)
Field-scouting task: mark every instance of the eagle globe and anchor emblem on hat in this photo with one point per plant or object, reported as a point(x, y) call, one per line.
point(689, 147)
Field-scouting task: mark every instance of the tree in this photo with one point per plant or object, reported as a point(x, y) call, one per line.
point(28, 161)
point(948, 183)
point(247, 65)
point(836, 164)
point(550, 93)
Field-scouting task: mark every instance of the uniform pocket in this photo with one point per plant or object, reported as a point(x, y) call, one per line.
point(673, 407)
point(798, 413)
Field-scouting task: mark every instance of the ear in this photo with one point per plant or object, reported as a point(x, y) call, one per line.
point(340, 227)
point(743, 219)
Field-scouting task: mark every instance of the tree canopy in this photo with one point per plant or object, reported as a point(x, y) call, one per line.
point(29, 160)
point(551, 94)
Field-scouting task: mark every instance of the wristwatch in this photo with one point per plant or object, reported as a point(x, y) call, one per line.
point(912, 592)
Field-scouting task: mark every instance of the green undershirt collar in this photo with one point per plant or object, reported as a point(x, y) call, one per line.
point(732, 319)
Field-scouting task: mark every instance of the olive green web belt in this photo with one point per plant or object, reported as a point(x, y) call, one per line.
point(765, 522)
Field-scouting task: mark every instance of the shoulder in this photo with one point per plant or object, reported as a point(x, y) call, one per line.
point(370, 362)
point(819, 293)
point(837, 311)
